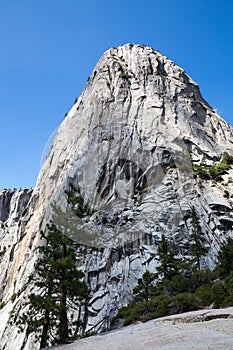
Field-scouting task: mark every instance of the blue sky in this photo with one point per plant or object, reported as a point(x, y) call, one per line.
point(50, 47)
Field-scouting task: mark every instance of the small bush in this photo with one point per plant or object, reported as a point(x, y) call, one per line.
point(201, 172)
point(218, 294)
point(200, 278)
point(157, 307)
point(132, 312)
point(178, 284)
point(184, 302)
point(227, 158)
point(2, 304)
point(204, 295)
point(215, 171)
point(144, 311)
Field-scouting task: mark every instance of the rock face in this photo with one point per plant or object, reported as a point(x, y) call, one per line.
point(12, 207)
point(197, 330)
point(130, 143)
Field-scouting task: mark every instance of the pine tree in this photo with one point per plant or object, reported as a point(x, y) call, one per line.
point(76, 201)
point(144, 288)
point(169, 263)
point(225, 258)
point(197, 249)
point(60, 284)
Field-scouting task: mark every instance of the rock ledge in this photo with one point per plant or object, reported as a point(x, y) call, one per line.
point(196, 330)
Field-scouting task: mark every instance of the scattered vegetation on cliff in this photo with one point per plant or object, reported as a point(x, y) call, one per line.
point(215, 171)
point(180, 285)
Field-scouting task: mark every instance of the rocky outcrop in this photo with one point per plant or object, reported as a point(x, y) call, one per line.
point(196, 330)
point(130, 142)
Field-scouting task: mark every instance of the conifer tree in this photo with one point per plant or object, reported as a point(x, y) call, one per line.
point(197, 248)
point(144, 288)
point(225, 258)
point(76, 201)
point(169, 263)
point(60, 284)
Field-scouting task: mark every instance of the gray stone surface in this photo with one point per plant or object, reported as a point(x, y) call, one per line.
point(127, 143)
point(200, 330)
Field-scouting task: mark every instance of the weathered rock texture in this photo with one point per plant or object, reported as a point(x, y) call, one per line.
point(198, 330)
point(129, 142)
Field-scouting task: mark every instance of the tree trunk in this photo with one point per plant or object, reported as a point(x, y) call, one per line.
point(45, 330)
point(64, 330)
point(63, 319)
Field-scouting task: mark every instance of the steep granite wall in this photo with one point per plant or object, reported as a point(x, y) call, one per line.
point(130, 143)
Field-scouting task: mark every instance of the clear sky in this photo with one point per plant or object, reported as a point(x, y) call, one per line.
point(50, 47)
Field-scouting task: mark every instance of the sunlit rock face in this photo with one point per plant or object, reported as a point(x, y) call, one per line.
point(12, 207)
point(130, 142)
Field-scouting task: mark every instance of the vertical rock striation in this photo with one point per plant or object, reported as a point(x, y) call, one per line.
point(130, 142)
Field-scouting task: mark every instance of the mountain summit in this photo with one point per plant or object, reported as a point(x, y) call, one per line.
point(144, 147)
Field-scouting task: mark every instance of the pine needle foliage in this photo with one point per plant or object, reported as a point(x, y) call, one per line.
point(181, 285)
point(76, 201)
point(198, 248)
point(225, 258)
point(59, 285)
point(144, 289)
point(169, 263)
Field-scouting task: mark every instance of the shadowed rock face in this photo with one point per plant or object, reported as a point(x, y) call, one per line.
point(129, 142)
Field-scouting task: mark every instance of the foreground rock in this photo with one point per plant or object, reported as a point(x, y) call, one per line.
point(199, 330)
